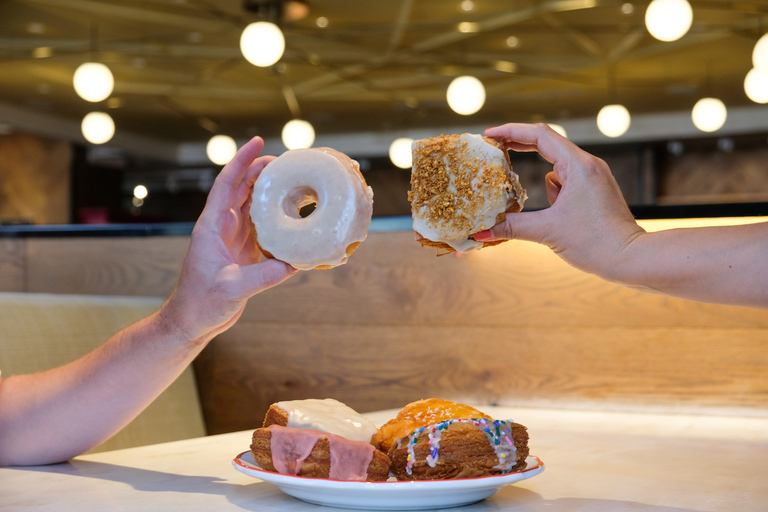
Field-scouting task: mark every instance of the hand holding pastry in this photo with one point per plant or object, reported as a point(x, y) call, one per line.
point(589, 223)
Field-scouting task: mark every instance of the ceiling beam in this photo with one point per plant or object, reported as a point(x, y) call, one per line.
point(49, 125)
point(87, 9)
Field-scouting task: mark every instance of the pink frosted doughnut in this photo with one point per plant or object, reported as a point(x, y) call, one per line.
point(339, 223)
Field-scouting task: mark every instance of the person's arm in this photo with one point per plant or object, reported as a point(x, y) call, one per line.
point(55, 415)
point(590, 226)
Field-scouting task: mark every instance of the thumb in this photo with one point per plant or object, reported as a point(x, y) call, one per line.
point(528, 226)
point(553, 187)
point(261, 276)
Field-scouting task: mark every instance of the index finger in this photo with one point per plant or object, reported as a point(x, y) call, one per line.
point(534, 137)
point(224, 192)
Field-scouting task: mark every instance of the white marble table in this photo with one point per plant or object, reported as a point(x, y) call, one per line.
point(595, 461)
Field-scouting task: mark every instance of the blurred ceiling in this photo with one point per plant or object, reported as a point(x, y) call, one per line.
point(375, 66)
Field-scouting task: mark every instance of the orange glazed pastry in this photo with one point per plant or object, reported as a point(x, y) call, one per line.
point(420, 414)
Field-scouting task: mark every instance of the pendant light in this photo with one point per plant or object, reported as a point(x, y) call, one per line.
point(613, 120)
point(400, 152)
point(98, 127)
point(220, 149)
point(262, 43)
point(668, 20)
point(760, 53)
point(298, 134)
point(93, 81)
point(466, 95)
point(756, 85)
point(709, 114)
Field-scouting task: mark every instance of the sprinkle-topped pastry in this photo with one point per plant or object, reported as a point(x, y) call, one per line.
point(499, 433)
point(461, 184)
point(438, 439)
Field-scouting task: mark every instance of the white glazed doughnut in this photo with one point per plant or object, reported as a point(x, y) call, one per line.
point(461, 184)
point(326, 237)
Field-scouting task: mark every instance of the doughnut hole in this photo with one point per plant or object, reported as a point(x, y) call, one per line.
point(300, 202)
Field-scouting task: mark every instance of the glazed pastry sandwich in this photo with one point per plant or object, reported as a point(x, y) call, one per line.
point(461, 184)
point(319, 439)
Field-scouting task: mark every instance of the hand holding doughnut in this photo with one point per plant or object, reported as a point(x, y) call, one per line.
point(221, 269)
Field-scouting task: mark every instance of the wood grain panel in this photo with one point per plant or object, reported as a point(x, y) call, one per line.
point(511, 324)
point(106, 266)
point(378, 367)
point(391, 279)
point(34, 179)
point(12, 265)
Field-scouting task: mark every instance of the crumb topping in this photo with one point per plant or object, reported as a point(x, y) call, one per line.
point(446, 183)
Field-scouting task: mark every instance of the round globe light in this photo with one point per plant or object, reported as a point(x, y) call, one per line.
point(668, 20)
point(760, 53)
point(298, 134)
point(613, 120)
point(93, 81)
point(220, 149)
point(140, 191)
point(466, 95)
point(559, 129)
point(756, 85)
point(400, 152)
point(98, 127)
point(262, 43)
point(709, 114)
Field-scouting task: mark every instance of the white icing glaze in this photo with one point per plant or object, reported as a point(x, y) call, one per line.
point(494, 199)
point(305, 176)
point(330, 416)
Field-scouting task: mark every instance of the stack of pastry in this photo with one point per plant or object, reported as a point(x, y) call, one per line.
point(427, 440)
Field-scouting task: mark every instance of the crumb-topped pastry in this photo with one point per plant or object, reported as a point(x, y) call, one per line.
point(461, 184)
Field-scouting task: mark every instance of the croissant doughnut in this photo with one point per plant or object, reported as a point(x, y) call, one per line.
point(439, 439)
point(460, 449)
point(315, 454)
point(319, 439)
point(333, 230)
point(461, 184)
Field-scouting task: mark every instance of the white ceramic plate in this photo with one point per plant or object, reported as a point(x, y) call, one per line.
point(391, 495)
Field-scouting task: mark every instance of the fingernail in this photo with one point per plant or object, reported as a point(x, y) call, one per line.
point(483, 235)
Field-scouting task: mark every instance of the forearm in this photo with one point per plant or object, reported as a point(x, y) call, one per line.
point(726, 265)
point(52, 416)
